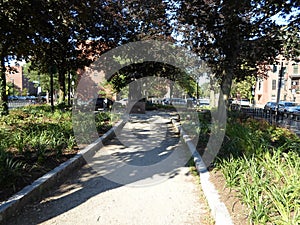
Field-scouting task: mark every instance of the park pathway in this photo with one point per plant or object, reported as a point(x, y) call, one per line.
point(137, 178)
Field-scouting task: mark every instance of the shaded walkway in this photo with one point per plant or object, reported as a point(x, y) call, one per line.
point(139, 178)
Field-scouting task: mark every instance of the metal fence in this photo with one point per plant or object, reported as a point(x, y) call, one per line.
point(288, 120)
point(20, 103)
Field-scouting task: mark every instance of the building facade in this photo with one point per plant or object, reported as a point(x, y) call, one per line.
point(21, 84)
point(282, 79)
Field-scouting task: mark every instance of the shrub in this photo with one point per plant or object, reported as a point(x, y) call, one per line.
point(261, 162)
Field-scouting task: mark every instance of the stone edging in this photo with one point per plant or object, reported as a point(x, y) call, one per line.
point(44, 183)
point(218, 208)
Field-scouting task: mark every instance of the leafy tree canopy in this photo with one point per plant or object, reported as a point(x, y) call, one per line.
point(232, 36)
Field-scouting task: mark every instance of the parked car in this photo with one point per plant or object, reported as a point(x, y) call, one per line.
point(191, 102)
point(99, 104)
point(174, 101)
point(282, 106)
point(122, 102)
point(31, 97)
point(242, 103)
point(270, 107)
point(41, 98)
point(203, 102)
point(178, 101)
point(103, 103)
point(245, 103)
point(166, 101)
point(21, 97)
point(12, 98)
point(293, 109)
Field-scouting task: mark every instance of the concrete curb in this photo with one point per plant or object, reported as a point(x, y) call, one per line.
point(44, 183)
point(218, 208)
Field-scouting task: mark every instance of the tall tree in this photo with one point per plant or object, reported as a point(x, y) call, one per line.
point(15, 39)
point(244, 88)
point(70, 24)
point(145, 20)
point(232, 36)
point(49, 32)
point(142, 21)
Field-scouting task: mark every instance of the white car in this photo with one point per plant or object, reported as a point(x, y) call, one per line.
point(123, 101)
point(243, 103)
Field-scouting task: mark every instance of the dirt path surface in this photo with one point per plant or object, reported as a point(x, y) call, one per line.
point(139, 178)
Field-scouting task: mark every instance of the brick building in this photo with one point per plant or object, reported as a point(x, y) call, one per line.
point(15, 75)
point(267, 88)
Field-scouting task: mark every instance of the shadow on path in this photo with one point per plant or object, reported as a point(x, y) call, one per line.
point(153, 159)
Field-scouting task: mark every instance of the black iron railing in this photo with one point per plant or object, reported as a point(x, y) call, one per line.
point(283, 119)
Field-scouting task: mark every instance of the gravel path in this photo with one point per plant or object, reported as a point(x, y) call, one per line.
point(139, 178)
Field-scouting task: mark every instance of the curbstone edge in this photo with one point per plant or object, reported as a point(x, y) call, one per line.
point(218, 209)
point(35, 190)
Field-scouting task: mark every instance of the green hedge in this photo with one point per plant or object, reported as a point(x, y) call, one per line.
point(261, 162)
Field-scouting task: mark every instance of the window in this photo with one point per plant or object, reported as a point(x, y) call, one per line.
point(295, 82)
point(295, 69)
point(273, 84)
point(259, 85)
point(282, 83)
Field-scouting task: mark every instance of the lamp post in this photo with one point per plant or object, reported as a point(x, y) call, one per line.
point(279, 89)
point(253, 95)
point(197, 89)
point(39, 88)
point(72, 89)
point(293, 85)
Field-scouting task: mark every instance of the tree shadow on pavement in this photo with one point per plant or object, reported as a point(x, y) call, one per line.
point(122, 161)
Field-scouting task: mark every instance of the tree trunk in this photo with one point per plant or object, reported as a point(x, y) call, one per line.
point(69, 88)
point(136, 102)
point(212, 96)
point(3, 95)
point(62, 85)
point(226, 85)
point(51, 91)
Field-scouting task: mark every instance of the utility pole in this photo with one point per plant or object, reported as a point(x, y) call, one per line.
point(52, 71)
point(69, 87)
point(279, 90)
point(197, 89)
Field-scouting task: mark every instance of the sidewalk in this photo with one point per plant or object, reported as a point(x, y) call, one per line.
point(138, 178)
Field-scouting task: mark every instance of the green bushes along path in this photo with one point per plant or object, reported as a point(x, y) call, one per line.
point(261, 162)
point(34, 140)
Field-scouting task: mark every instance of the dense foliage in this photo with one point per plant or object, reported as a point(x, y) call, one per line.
point(34, 140)
point(234, 37)
point(61, 36)
point(261, 162)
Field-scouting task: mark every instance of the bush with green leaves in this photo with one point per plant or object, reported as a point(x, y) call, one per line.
point(30, 135)
point(261, 162)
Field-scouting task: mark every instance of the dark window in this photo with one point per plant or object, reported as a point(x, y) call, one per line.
point(282, 83)
point(273, 84)
point(295, 69)
point(259, 85)
point(295, 82)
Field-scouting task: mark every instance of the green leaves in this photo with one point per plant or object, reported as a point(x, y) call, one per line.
point(265, 174)
point(33, 136)
point(233, 37)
